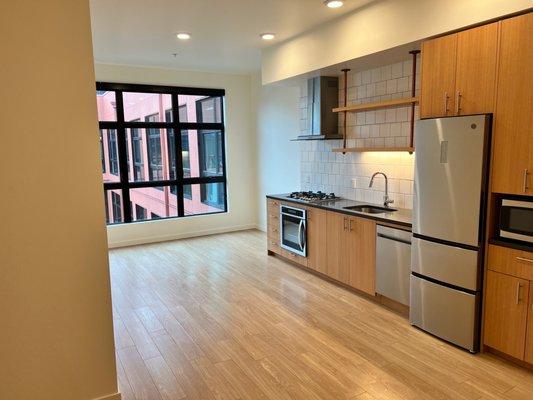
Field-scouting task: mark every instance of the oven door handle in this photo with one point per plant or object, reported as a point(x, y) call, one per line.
point(301, 235)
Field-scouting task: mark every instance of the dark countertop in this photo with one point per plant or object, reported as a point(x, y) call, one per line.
point(401, 217)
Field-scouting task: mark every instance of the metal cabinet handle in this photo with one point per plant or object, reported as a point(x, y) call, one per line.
point(518, 287)
point(524, 259)
point(526, 173)
point(351, 227)
point(458, 103)
point(446, 98)
point(345, 223)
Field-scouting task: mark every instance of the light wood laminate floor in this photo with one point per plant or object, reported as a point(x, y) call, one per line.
point(216, 318)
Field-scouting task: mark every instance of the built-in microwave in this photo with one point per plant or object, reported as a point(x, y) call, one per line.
point(293, 229)
point(516, 220)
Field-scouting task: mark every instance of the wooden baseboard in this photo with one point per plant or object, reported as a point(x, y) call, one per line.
point(507, 357)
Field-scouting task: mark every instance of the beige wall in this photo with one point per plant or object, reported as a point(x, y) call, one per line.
point(239, 156)
point(382, 25)
point(56, 334)
point(275, 119)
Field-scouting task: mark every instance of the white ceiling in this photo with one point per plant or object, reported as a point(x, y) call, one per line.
point(225, 33)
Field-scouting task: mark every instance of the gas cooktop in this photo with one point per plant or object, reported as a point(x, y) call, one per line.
point(312, 196)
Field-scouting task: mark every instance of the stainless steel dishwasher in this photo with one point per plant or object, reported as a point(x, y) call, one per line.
point(393, 263)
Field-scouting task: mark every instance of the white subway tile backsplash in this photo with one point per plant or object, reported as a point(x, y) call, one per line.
point(397, 70)
point(386, 72)
point(322, 169)
point(392, 86)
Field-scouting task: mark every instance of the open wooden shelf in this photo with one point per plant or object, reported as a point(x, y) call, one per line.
point(365, 149)
point(377, 105)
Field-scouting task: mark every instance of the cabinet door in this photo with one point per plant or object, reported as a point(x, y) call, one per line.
point(475, 79)
point(316, 239)
point(336, 227)
point(529, 337)
point(513, 119)
point(438, 77)
point(506, 303)
point(361, 249)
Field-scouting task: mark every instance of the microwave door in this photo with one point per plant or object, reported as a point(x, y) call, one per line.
point(516, 220)
point(291, 233)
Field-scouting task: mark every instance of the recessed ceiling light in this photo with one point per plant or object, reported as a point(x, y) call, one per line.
point(267, 36)
point(183, 36)
point(334, 3)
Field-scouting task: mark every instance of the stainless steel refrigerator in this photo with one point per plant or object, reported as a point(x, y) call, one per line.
point(448, 224)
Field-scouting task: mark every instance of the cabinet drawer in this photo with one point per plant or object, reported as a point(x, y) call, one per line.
point(511, 262)
point(272, 203)
point(273, 231)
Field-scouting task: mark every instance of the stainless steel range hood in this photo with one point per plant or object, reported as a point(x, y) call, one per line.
point(322, 97)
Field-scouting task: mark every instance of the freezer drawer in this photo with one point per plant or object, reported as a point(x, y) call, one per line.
point(449, 173)
point(453, 265)
point(446, 313)
point(393, 263)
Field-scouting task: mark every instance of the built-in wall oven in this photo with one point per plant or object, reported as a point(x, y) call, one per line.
point(293, 229)
point(516, 220)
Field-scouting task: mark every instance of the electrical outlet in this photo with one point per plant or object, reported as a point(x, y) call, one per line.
point(307, 179)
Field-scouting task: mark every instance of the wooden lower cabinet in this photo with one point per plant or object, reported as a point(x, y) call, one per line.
point(316, 239)
point(336, 224)
point(529, 332)
point(340, 246)
point(350, 250)
point(506, 309)
point(273, 226)
point(363, 266)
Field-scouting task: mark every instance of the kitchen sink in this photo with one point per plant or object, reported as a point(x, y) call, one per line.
point(370, 209)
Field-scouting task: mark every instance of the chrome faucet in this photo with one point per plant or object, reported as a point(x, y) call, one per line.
point(386, 200)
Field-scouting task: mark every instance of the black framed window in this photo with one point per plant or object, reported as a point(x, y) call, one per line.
point(159, 173)
point(102, 157)
point(140, 212)
point(137, 153)
point(155, 161)
point(113, 151)
point(210, 149)
point(116, 206)
point(182, 111)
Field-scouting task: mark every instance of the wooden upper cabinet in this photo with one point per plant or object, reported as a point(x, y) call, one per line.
point(459, 73)
point(506, 306)
point(512, 166)
point(438, 77)
point(475, 78)
point(316, 239)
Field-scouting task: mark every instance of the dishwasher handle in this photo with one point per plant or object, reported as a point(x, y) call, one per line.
point(394, 238)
